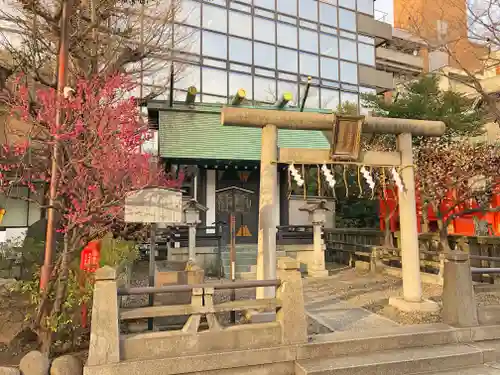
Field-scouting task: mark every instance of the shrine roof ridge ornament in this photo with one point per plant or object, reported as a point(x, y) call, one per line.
point(258, 118)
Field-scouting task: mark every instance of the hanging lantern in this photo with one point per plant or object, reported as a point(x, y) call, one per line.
point(397, 179)
point(368, 178)
point(296, 175)
point(328, 176)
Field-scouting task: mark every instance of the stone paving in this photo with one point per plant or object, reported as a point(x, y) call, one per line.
point(327, 302)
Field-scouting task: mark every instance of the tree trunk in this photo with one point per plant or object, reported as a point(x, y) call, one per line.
point(63, 278)
point(60, 297)
point(443, 236)
point(388, 239)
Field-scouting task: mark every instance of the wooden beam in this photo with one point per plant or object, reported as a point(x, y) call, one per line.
point(177, 310)
point(286, 119)
point(320, 156)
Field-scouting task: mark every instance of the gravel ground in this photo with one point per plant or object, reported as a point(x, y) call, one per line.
point(487, 299)
point(372, 293)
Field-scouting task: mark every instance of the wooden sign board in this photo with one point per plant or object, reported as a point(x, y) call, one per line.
point(347, 137)
point(234, 199)
point(154, 205)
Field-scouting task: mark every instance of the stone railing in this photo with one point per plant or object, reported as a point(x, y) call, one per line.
point(362, 247)
point(288, 323)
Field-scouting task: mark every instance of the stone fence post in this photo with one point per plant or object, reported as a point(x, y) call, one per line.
point(376, 264)
point(104, 345)
point(459, 302)
point(292, 315)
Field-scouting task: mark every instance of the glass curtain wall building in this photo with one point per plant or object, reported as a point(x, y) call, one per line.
point(268, 47)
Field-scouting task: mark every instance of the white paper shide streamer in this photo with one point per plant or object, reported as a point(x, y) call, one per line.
point(368, 178)
point(397, 179)
point(328, 176)
point(296, 175)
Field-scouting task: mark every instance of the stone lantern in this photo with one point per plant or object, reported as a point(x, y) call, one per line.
point(317, 216)
point(192, 211)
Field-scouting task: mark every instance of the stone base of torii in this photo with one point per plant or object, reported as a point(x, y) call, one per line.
point(270, 120)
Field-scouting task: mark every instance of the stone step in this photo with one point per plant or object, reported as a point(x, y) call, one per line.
point(239, 268)
point(251, 250)
point(395, 362)
point(242, 262)
point(476, 370)
point(240, 256)
point(373, 340)
point(242, 276)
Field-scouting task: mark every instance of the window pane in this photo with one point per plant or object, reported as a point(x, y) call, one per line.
point(312, 100)
point(213, 99)
point(214, 63)
point(214, 81)
point(269, 4)
point(189, 76)
point(308, 40)
point(309, 64)
point(348, 97)
point(156, 71)
point(287, 6)
point(366, 54)
point(214, 18)
point(348, 72)
point(16, 210)
point(287, 35)
point(240, 81)
point(351, 4)
point(287, 60)
point(290, 87)
point(188, 39)
point(214, 45)
point(243, 8)
point(328, 14)
point(264, 90)
point(347, 49)
point(329, 45)
point(308, 9)
point(347, 20)
point(265, 55)
point(240, 68)
point(190, 13)
point(329, 68)
point(264, 30)
point(329, 99)
point(347, 34)
point(365, 90)
point(265, 72)
point(240, 50)
point(366, 6)
point(366, 39)
point(240, 24)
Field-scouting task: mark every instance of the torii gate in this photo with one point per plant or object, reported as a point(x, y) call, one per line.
point(345, 145)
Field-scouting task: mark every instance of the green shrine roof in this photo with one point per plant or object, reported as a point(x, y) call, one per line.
point(197, 133)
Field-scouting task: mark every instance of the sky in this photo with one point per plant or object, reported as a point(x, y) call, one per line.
point(385, 6)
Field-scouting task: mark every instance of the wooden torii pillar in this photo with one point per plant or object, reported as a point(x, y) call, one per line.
point(270, 120)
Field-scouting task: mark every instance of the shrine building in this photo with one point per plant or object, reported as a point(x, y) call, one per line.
point(216, 157)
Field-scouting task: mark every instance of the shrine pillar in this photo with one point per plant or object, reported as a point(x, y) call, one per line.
point(266, 252)
point(410, 255)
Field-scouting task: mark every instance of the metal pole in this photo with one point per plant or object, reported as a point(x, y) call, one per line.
point(218, 232)
point(233, 261)
point(62, 77)
point(152, 257)
point(306, 94)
